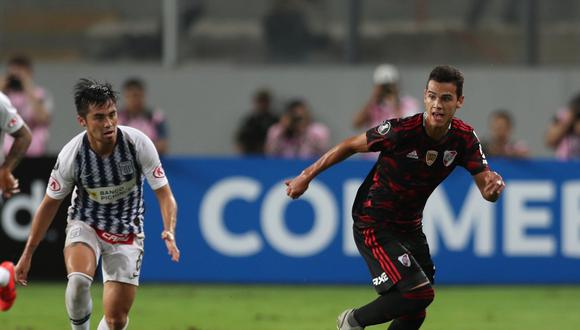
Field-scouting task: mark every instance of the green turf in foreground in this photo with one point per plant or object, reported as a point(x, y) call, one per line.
point(201, 307)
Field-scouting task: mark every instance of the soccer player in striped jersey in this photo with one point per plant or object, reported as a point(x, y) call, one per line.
point(416, 154)
point(104, 167)
point(11, 123)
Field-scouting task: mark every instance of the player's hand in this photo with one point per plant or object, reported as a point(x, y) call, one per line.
point(297, 186)
point(8, 183)
point(21, 271)
point(172, 249)
point(494, 185)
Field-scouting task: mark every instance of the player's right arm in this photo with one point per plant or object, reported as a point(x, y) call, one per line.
point(42, 219)
point(12, 123)
point(340, 152)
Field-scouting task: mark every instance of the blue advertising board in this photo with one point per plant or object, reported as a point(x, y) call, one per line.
point(236, 224)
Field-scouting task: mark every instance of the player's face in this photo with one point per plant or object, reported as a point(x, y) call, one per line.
point(101, 123)
point(441, 103)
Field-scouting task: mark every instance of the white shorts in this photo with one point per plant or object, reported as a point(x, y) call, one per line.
point(120, 263)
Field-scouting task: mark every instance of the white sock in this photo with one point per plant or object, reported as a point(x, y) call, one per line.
point(4, 276)
point(79, 304)
point(104, 326)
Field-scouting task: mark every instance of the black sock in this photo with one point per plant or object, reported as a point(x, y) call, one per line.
point(394, 304)
point(408, 322)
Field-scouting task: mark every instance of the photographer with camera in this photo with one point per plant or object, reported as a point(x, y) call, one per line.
point(32, 102)
point(386, 101)
point(563, 134)
point(296, 135)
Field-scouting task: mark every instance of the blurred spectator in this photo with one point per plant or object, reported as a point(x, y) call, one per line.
point(499, 142)
point(251, 134)
point(137, 114)
point(296, 135)
point(563, 134)
point(33, 103)
point(386, 101)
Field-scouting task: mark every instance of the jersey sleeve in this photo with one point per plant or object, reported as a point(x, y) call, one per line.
point(382, 137)
point(62, 177)
point(150, 162)
point(10, 121)
point(474, 159)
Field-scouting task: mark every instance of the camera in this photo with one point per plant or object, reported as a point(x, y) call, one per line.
point(13, 83)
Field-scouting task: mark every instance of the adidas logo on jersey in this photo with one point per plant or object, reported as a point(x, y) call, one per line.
point(413, 154)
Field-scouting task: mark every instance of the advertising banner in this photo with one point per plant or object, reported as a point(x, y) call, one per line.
point(236, 224)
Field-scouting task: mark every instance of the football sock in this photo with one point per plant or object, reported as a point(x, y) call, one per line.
point(104, 326)
point(4, 276)
point(79, 304)
point(394, 304)
point(408, 322)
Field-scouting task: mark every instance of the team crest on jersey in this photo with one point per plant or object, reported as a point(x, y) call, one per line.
point(384, 128)
point(126, 167)
point(12, 123)
point(53, 184)
point(405, 260)
point(431, 156)
point(158, 172)
point(449, 156)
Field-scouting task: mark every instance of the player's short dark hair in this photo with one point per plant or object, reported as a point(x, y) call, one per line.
point(448, 74)
point(20, 60)
point(134, 82)
point(504, 114)
point(91, 92)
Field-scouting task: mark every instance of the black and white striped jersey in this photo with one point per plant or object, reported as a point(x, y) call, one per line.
point(107, 193)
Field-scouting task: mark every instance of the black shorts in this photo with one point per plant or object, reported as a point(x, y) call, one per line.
point(394, 258)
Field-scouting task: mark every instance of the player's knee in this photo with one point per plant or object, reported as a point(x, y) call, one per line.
point(78, 287)
point(422, 296)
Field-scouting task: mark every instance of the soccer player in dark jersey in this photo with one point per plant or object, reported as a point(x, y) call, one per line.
point(416, 154)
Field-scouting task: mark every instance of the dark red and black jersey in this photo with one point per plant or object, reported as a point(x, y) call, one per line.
point(410, 166)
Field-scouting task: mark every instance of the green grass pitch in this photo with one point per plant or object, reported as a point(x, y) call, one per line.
point(40, 306)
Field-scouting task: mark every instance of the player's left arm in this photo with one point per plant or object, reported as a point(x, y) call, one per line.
point(490, 184)
point(168, 207)
point(153, 170)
